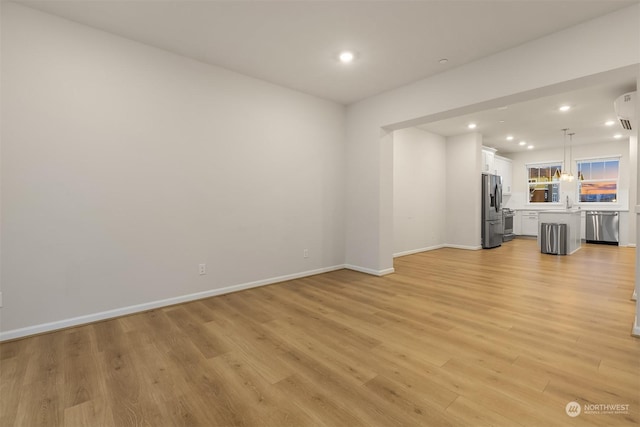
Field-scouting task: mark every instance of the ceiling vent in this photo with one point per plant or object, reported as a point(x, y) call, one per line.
point(625, 107)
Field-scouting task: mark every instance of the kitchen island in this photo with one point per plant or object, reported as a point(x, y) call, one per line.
point(570, 217)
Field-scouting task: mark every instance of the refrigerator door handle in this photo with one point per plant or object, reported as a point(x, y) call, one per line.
point(496, 197)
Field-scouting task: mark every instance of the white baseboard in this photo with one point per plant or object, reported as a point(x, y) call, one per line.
point(109, 314)
point(636, 328)
point(415, 251)
point(465, 247)
point(370, 271)
point(433, 248)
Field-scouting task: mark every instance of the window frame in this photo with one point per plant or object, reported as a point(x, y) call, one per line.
point(616, 157)
point(550, 163)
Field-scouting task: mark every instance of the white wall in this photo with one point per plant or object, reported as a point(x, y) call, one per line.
point(567, 60)
point(436, 191)
point(464, 191)
point(125, 166)
point(419, 190)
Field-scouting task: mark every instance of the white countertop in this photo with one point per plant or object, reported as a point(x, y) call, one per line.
point(556, 210)
point(562, 212)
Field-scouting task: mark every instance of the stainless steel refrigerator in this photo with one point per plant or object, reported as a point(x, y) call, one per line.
point(491, 211)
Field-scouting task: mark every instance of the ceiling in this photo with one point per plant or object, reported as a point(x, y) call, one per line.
point(295, 43)
point(539, 122)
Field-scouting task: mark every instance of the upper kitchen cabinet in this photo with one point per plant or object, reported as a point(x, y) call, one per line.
point(488, 159)
point(499, 166)
point(504, 168)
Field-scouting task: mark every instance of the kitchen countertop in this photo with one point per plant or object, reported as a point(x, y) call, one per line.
point(562, 211)
point(570, 210)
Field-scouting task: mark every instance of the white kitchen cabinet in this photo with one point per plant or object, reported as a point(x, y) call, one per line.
point(488, 159)
point(529, 223)
point(504, 168)
point(517, 223)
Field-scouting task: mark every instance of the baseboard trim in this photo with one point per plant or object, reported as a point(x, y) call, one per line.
point(415, 251)
point(636, 328)
point(465, 247)
point(369, 270)
point(118, 312)
point(433, 248)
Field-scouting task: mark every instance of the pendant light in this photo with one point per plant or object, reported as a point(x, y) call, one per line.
point(564, 176)
point(570, 177)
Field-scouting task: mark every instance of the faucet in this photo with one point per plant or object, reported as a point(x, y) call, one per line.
point(568, 203)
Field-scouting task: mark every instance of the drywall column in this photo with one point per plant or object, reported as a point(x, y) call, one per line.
point(633, 189)
point(636, 293)
point(0, 184)
point(369, 201)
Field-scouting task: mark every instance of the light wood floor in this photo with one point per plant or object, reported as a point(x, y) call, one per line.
point(502, 337)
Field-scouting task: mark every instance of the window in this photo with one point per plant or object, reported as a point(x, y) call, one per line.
point(543, 181)
point(598, 180)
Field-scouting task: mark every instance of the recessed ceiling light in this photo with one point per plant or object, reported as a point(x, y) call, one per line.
point(503, 108)
point(530, 147)
point(564, 108)
point(522, 143)
point(443, 61)
point(609, 123)
point(501, 121)
point(509, 138)
point(617, 136)
point(346, 57)
point(472, 125)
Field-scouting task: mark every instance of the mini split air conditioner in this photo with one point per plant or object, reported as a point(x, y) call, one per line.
point(625, 107)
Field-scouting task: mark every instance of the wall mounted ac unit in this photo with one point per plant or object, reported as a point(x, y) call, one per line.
point(625, 107)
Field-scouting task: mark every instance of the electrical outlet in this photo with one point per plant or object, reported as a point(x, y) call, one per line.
point(305, 253)
point(202, 269)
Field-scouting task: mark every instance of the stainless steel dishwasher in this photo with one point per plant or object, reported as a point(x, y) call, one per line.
point(602, 227)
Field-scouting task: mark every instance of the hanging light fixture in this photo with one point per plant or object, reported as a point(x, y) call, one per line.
point(570, 177)
point(564, 176)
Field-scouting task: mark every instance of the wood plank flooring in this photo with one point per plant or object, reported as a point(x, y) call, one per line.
point(501, 337)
